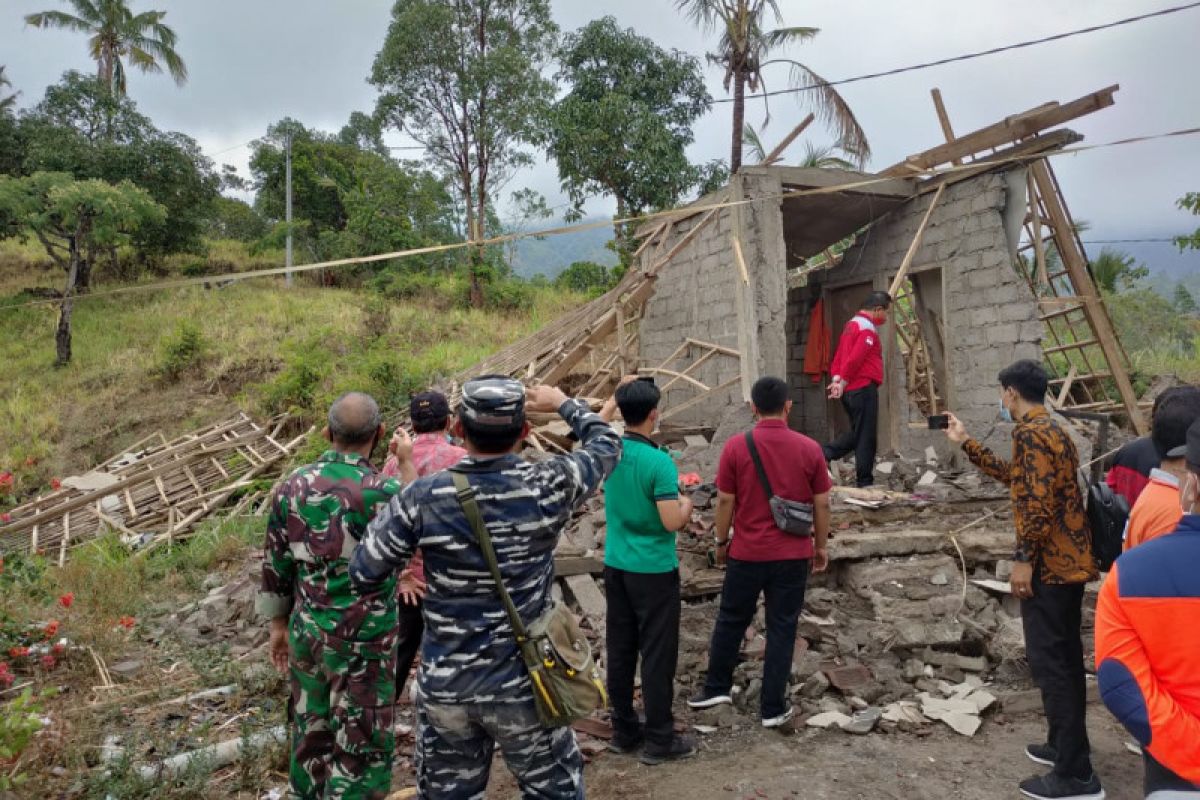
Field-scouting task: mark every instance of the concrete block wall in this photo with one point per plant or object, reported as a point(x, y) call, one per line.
point(809, 410)
point(991, 317)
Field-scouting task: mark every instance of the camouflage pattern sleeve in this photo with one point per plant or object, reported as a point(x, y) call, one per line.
point(579, 474)
point(388, 545)
point(277, 591)
point(988, 462)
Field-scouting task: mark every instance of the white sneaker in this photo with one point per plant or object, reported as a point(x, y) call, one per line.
point(782, 719)
point(708, 701)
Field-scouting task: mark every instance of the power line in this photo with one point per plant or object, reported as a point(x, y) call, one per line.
point(969, 56)
point(1126, 241)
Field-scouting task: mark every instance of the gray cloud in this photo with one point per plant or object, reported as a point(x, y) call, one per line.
point(255, 61)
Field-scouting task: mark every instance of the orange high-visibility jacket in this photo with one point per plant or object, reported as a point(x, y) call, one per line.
point(1148, 646)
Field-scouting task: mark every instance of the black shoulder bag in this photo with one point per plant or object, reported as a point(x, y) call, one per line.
point(791, 516)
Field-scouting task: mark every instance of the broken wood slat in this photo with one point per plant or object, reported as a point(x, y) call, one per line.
point(728, 351)
point(1033, 146)
point(587, 595)
point(1066, 387)
point(1039, 246)
point(943, 119)
point(66, 538)
point(675, 376)
point(1080, 378)
point(778, 150)
point(1062, 312)
point(1004, 132)
point(741, 260)
point(685, 375)
point(684, 406)
point(687, 239)
point(1062, 348)
point(1097, 315)
point(915, 244)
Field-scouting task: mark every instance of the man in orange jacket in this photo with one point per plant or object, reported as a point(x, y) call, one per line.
point(1157, 510)
point(1148, 645)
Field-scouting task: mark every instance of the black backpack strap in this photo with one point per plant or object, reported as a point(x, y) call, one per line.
point(758, 465)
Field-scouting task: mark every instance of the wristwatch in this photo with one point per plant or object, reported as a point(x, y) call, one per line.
point(720, 543)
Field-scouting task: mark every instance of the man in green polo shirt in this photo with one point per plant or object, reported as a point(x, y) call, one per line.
point(643, 509)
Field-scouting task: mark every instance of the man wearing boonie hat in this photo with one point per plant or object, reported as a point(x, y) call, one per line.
point(432, 451)
point(473, 691)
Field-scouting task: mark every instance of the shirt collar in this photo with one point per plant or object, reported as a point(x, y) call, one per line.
point(1035, 413)
point(774, 422)
point(1162, 476)
point(637, 437)
point(333, 456)
point(487, 463)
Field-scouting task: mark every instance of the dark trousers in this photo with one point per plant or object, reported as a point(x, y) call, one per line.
point(412, 627)
point(1054, 648)
point(643, 618)
point(862, 406)
point(1160, 779)
point(782, 584)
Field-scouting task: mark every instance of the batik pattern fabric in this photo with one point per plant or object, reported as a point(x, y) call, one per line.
point(1052, 528)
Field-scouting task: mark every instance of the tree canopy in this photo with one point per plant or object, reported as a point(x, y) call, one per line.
point(464, 79)
point(1114, 270)
point(624, 125)
point(116, 36)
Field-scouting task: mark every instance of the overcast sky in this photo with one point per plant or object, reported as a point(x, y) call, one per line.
point(254, 61)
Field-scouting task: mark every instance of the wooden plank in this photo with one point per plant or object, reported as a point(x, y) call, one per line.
point(1097, 315)
point(587, 595)
point(675, 376)
point(943, 119)
point(1004, 132)
point(684, 406)
point(1033, 146)
point(567, 566)
point(741, 259)
point(728, 351)
point(915, 244)
point(1070, 346)
point(685, 375)
point(684, 241)
point(745, 298)
point(777, 152)
point(1066, 387)
point(1039, 246)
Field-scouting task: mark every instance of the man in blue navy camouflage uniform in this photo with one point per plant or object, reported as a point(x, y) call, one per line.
point(473, 691)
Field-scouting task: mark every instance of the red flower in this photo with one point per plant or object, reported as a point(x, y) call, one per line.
point(690, 479)
point(51, 629)
point(55, 484)
point(6, 481)
point(6, 677)
point(6, 517)
point(18, 652)
point(58, 649)
point(66, 600)
point(48, 662)
point(127, 622)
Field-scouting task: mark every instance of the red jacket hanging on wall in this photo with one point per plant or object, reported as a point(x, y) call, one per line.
point(816, 351)
point(859, 356)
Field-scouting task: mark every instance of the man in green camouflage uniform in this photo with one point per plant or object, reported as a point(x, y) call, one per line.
point(338, 647)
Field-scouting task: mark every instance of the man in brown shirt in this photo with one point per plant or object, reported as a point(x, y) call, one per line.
point(1053, 558)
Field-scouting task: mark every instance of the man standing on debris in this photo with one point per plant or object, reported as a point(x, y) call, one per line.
point(473, 690)
point(857, 371)
point(1157, 510)
point(1148, 645)
point(642, 511)
point(432, 452)
point(762, 558)
point(337, 646)
point(1053, 562)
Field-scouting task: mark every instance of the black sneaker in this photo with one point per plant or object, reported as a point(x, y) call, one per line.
point(625, 745)
point(1055, 787)
point(681, 746)
point(704, 700)
point(1041, 754)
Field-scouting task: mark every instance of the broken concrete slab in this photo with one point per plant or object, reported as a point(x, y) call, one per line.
point(943, 659)
point(864, 721)
point(828, 719)
point(904, 711)
point(848, 677)
point(928, 479)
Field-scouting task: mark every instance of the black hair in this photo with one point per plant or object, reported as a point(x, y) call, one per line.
point(636, 400)
point(1174, 415)
point(491, 441)
point(1167, 394)
point(430, 425)
point(1028, 378)
point(769, 394)
point(878, 299)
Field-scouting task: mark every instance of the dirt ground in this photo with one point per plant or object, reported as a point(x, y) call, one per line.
point(831, 765)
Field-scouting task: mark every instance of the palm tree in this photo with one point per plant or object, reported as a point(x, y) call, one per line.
point(6, 103)
point(117, 34)
point(746, 43)
point(821, 157)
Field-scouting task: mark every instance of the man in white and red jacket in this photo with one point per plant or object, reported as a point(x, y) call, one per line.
point(857, 371)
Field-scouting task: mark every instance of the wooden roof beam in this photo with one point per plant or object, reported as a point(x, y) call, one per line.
point(1007, 131)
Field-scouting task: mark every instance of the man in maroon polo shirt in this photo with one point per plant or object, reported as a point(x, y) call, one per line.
point(760, 558)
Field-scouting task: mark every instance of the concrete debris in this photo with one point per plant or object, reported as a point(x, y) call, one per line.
point(929, 478)
point(863, 721)
point(904, 712)
point(849, 677)
point(828, 719)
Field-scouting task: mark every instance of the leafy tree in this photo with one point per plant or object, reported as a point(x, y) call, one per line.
point(464, 79)
point(623, 127)
point(744, 51)
point(1189, 202)
point(1113, 267)
point(72, 218)
point(585, 276)
point(814, 155)
point(6, 103)
point(363, 131)
point(118, 35)
point(82, 129)
point(1184, 302)
point(347, 201)
point(1148, 322)
point(235, 219)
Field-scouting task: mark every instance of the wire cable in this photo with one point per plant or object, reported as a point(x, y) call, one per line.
point(969, 56)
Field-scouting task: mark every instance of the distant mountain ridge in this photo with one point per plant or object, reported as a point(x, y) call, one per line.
point(552, 254)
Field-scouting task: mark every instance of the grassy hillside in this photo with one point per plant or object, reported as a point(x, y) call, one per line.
point(175, 360)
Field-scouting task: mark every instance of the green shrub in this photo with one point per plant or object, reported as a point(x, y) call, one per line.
point(295, 387)
point(506, 294)
point(20, 719)
point(181, 351)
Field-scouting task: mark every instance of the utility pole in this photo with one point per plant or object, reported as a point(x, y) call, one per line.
point(287, 280)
